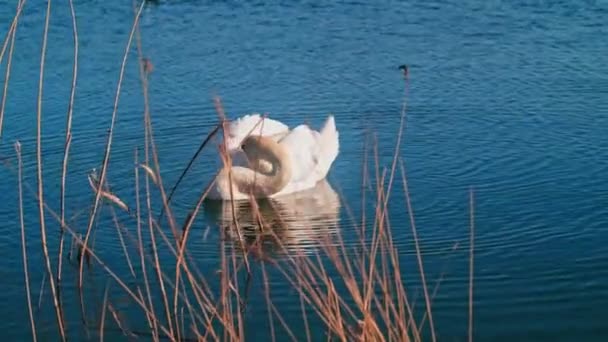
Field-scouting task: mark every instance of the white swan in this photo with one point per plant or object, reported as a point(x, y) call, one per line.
point(309, 154)
point(246, 181)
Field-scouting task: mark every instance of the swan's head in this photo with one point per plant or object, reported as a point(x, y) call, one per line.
point(251, 124)
point(251, 144)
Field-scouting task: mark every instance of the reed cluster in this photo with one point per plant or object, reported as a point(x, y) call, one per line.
point(349, 292)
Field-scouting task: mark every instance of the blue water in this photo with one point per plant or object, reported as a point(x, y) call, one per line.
point(506, 97)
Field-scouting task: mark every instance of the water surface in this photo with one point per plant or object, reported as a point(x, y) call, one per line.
point(506, 97)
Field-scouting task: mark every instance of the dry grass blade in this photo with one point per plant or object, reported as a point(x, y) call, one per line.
point(472, 244)
point(68, 142)
point(141, 252)
point(418, 254)
point(41, 216)
point(106, 158)
point(228, 163)
point(104, 307)
point(150, 173)
point(8, 66)
point(198, 151)
point(23, 245)
point(107, 195)
point(183, 242)
point(11, 29)
point(89, 251)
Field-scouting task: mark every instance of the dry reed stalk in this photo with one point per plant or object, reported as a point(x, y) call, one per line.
point(23, 245)
point(107, 194)
point(206, 301)
point(152, 323)
point(85, 249)
point(382, 280)
point(66, 151)
point(399, 136)
point(40, 196)
point(40, 296)
point(196, 154)
point(121, 239)
point(7, 76)
point(272, 308)
point(304, 317)
point(228, 164)
point(143, 76)
point(433, 294)
point(104, 306)
point(183, 243)
point(11, 29)
point(235, 288)
point(148, 133)
point(106, 158)
point(306, 272)
point(472, 244)
point(388, 287)
point(149, 141)
point(112, 274)
point(156, 264)
point(418, 254)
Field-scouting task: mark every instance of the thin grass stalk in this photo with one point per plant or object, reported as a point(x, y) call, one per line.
point(23, 245)
point(106, 158)
point(364, 182)
point(149, 137)
point(66, 151)
point(156, 262)
point(184, 240)
point(119, 323)
point(228, 163)
point(203, 295)
point(90, 252)
point(7, 76)
point(58, 311)
point(152, 322)
point(268, 302)
point(147, 141)
point(121, 239)
point(40, 296)
point(11, 29)
point(376, 236)
point(399, 137)
point(196, 154)
point(235, 288)
point(398, 312)
point(150, 141)
point(104, 306)
point(273, 308)
point(86, 249)
point(471, 250)
point(304, 316)
point(308, 292)
point(418, 254)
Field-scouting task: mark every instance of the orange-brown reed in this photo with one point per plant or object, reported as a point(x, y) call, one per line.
point(373, 305)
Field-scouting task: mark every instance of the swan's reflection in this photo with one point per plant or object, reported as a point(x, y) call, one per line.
point(298, 222)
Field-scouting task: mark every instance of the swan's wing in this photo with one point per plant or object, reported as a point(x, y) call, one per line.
point(301, 144)
point(312, 152)
point(239, 129)
point(328, 147)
